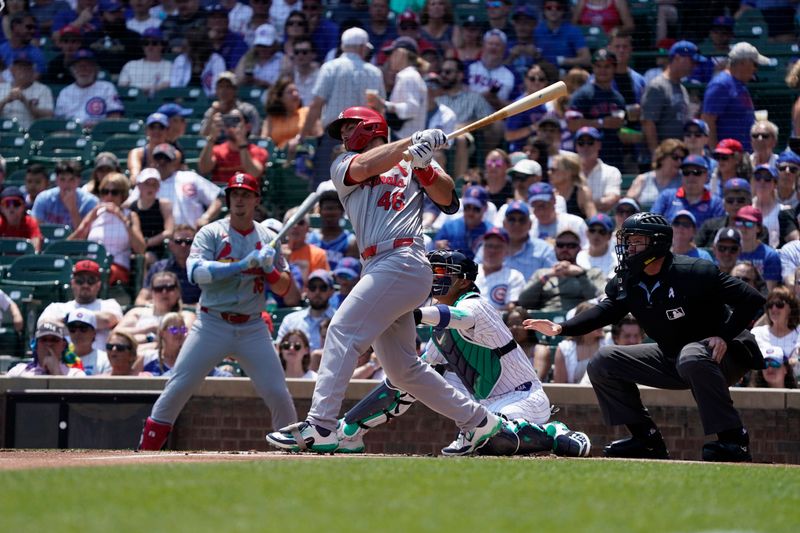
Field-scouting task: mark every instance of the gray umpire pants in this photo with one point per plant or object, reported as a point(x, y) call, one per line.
point(616, 370)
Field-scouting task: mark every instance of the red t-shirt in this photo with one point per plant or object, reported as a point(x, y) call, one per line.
point(28, 228)
point(228, 161)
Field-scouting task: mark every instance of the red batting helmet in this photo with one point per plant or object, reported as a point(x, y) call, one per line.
point(242, 180)
point(371, 124)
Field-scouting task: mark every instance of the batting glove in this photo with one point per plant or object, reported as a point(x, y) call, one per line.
point(267, 257)
point(251, 260)
point(421, 154)
point(435, 138)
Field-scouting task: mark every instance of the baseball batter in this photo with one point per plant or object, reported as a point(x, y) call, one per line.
point(481, 360)
point(382, 195)
point(232, 262)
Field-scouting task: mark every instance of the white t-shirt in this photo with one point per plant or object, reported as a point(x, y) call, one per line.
point(59, 310)
point(606, 263)
point(96, 363)
point(88, 104)
point(181, 73)
point(22, 370)
point(144, 74)
point(139, 26)
point(190, 194)
point(37, 93)
point(575, 369)
point(5, 303)
point(787, 343)
point(409, 100)
point(502, 287)
point(481, 80)
point(239, 17)
point(604, 179)
point(564, 221)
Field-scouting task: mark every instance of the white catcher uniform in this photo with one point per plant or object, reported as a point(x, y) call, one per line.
point(229, 324)
point(386, 213)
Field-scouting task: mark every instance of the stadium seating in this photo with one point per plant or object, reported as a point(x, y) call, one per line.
point(48, 275)
point(48, 126)
point(54, 232)
point(61, 146)
point(125, 126)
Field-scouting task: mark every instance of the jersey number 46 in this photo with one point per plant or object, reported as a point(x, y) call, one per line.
point(394, 201)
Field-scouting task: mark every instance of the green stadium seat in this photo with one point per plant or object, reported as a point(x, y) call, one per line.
point(54, 232)
point(45, 127)
point(48, 275)
point(10, 125)
point(11, 342)
point(546, 315)
point(63, 146)
point(120, 144)
point(595, 37)
point(125, 126)
point(79, 250)
point(181, 95)
point(11, 248)
point(280, 313)
point(194, 126)
point(16, 145)
point(253, 95)
point(16, 177)
point(192, 145)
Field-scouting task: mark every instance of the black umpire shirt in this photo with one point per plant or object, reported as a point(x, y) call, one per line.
point(687, 301)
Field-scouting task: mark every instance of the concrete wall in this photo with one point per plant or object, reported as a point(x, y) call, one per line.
point(226, 414)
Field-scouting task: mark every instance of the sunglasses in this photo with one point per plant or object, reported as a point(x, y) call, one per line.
point(778, 304)
point(517, 220)
point(600, 231)
point(537, 78)
point(772, 363)
point(568, 245)
point(112, 192)
point(314, 287)
point(736, 200)
point(295, 23)
point(682, 224)
point(83, 328)
point(744, 223)
point(90, 280)
point(677, 157)
point(152, 43)
point(694, 134)
point(761, 136)
point(553, 8)
point(12, 203)
point(694, 172)
point(789, 168)
point(156, 126)
point(115, 347)
point(302, 51)
point(296, 346)
point(626, 212)
point(165, 288)
point(408, 26)
point(182, 242)
point(721, 157)
point(474, 208)
point(721, 248)
point(177, 330)
point(763, 176)
point(589, 142)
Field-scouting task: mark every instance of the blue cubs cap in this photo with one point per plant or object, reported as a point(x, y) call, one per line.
point(696, 122)
point(83, 55)
point(736, 184)
point(540, 192)
point(323, 275)
point(110, 5)
point(768, 168)
point(476, 195)
point(215, 9)
point(686, 214)
point(722, 22)
point(695, 161)
point(158, 118)
point(524, 11)
point(629, 202)
point(603, 220)
point(594, 133)
point(500, 233)
point(518, 206)
point(788, 156)
point(685, 49)
point(173, 109)
point(348, 267)
point(153, 33)
point(21, 56)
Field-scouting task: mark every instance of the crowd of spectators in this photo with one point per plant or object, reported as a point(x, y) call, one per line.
point(542, 192)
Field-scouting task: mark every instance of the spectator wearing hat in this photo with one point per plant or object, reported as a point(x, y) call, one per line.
point(68, 41)
point(15, 221)
point(86, 285)
point(155, 214)
point(82, 326)
point(604, 180)
point(337, 242)
point(468, 38)
point(85, 17)
point(179, 246)
point(562, 43)
point(24, 98)
point(104, 164)
point(627, 81)
point(526, 254)
point(692, 195)
point(408, 25)
point(765, 259)
point(600, 253)
point(195, 200)
point(45, 13)
point(489, 76)
point(198, 65)
point(157, 126)
point(307, 257)
point(788, 164)
point(177, 121)
point(736, 193)
point(235, 153)
point(684, 228)
point(152, 72)
point(188, 21)
point(720, 36)
point(230, 45)
point(549, 223)
point(323, 31)
point(497, 282)
point(318, 293)
point(523, 126)
point(780, 226)
point(346, 274)
point(764, 138)
point(601, 107)
point(564, 171)
point(565, 284)
point(66, 203)
point(113, 43)
point(225, 89)
point(88, 99)
point(625, 208)
point(553, 135)
point(261, 65)
point(465, 233)
point(695, 137)
point(666, 173)
point(731, 163)
point(607, 14)
point(779, 372)
point(140, 19)
point(727, 105)
point(259, 15)
point(665, 103)
point(523, 174)
point(498, 16)
point(522, 51)
point(49, 354)
point(22, 31)
point(727, 245)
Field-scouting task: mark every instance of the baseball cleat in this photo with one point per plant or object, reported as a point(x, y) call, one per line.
point(633, 448)
point(726, 452)
point(350, 437)
point(468, 442)
point(568, 443)
point(304, 437)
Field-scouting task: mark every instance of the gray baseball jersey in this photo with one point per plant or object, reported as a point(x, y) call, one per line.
point(244, 293)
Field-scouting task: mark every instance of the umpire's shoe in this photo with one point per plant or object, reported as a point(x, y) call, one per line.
point(728, 452)
point(469, 442)
point(304, 437)
point(634, 448)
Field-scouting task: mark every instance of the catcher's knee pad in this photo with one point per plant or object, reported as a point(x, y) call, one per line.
point(383, 403)
point(505, 442)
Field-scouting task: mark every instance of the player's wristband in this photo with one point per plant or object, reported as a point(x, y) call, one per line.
point(273, 276)
point(426, 176)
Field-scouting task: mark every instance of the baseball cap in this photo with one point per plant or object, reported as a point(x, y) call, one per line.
point(148, 174)
point(323, 275)
point(354, 37)
point(722, 22)
point(745, 50)
point(12, 191)
point(110, 5)
point(751, 213)
point(153, 33)
point(348, 267)
point(630, 202)
point(774, 353)
point(50, 328)
point(407, 17)
point(265, 35)
point(471, 21)
point(216, 8)
point(686, 214)
point(518, 206)
point(594, 133)
point(788, 156)
point(69, 31)
point(500, 233)
point(602, 219)
point(696, 122)
point(82, 316)
point(158, 118)
point(768, 168)
point(540, 192)
point(227, 76)
point(525, 168)
point(21, 56)
point(406, 43)
point(476, 195)
point(728, 147)
point(83, 55)
point(603, 54)
point(273, 224)
point(165, 149)
point(728, 234)
point(106, 159)
point(685, 49)
point(494, 32)
point(736, 184)
point(695, 161)
point(86, 265)
point(173, 109)
point(242, 180)
point(524, 11)
point(550, 118)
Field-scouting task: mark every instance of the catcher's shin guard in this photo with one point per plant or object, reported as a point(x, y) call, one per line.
point(154, 435)
point(533, 438)
point(383, 403)
point(505, 442)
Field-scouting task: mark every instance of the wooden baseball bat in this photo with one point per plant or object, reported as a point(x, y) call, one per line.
point(551, 92)
point(307, 205)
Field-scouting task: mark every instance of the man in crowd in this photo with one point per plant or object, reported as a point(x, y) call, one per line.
point(318, 292)
point(228, 44)
point(299, 252)
point(331, 236)
point(235, 153)
point(727, 245)
point(488, 76)
point(188, 20)
point(113, 43)
point(498, 283)
point(736, 193)
point(766, 260)
point(23, 30)
point(37, 179)
point(67, 202)
point(226, 92)
point(562, 43)
point(68, 41)
point(179, 245)
point(692, 195)
point(548, 222)
point(24, 98)
point(605, 181)
point(600, 253)
point(88, 99)
point(465, 233)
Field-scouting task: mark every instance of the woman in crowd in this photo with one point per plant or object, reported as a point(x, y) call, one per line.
point(142, 156)
point(666, 173)
point(82, 326)
point(606, 14)
point(142, 323)
point(437, 23)
point(15, 222)
point(731, 163)
point(118, 229)
point(573, 355)
point(262, 64)
point(155, 214)
point(296, 27)
point(779, 373)
point(169, 339)
point(121, 349)
point(468, 40)
point(495, 177)
point(522, 126)
point(293, 351)
point(788, 174)
point(286, 115)
point(199, 66)
point(538, 354)
point(104, 164)
point(567, 180)
point(782, 313)
point(765, 198)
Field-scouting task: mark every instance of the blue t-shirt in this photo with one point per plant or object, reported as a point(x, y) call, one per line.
point(767, 261)
point(700, 254)
point(565, 41)
point(36, 55)
point(670, 201)
point(49, 209)
point(336, 249)
point(459, 237)
point(594, 102)
point(728, 99)
point(523, 120)
point(232, 50)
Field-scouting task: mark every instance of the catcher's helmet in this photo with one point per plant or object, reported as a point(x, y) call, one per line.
point(449, 264)
point(371, 124)
point(651, 225)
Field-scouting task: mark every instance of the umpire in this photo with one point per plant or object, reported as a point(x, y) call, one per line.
point(697, 317)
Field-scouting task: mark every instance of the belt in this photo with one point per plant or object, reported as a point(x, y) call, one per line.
point(385, 246)
point(231, 318)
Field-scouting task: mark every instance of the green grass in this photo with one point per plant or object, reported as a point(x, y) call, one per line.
point(403, 494)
